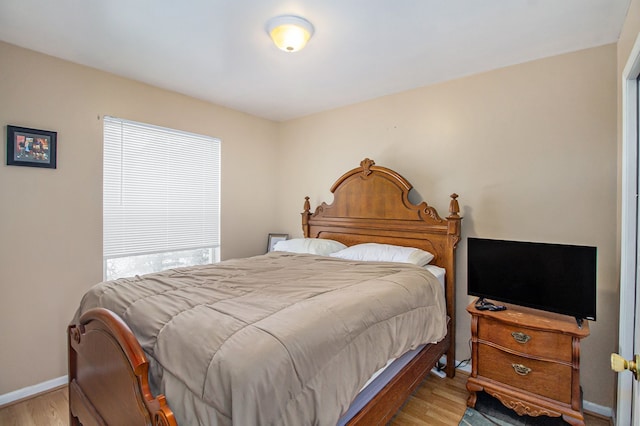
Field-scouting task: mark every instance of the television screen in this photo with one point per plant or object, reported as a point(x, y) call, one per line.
point(552, 277)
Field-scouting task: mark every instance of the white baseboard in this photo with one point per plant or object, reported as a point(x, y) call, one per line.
point(466, 368)
point(30, 391)
point(597, 409)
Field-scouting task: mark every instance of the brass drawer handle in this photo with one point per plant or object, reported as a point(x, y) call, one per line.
point(521, 369)
point(521, 337)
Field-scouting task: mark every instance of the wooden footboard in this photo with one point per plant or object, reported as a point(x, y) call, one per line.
point(108, 383)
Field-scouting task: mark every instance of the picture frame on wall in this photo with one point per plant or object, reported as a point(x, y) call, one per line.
point(31, 147)
point(273, 239)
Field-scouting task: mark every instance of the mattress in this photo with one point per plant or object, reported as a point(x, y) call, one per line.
point(437, 272)
point(275, 339)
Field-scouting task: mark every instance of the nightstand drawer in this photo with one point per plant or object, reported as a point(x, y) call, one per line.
point(544, 378)
point(527, 341)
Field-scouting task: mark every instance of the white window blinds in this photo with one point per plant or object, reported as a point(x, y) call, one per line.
point(161, 189)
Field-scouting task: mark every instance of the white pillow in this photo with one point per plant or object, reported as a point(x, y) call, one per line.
point(320, 246)
point(385, 253)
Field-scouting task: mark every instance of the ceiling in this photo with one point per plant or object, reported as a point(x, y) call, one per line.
point(219, 51)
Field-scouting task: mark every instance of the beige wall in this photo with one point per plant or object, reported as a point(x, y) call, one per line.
point(51, 220)
point(530, 149)
point(629, 34)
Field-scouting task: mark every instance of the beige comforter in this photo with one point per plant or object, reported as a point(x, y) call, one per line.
point(278, 339)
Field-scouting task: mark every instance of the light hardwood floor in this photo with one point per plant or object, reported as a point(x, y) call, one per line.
point(442, 402)
point(437, 402)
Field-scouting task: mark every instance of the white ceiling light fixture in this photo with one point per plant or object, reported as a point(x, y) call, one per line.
point(290, 33)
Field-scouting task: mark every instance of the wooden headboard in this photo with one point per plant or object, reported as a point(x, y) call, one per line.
point(371, 204)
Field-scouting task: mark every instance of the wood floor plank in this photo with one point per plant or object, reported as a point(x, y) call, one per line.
point(436, 402)
point(49, 409)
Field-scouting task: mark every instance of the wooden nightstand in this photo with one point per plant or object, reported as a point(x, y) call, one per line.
point(529, 360)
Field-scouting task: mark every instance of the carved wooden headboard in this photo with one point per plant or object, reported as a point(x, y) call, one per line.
point(371, 204)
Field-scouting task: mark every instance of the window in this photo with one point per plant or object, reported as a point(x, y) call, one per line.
point(161, 198)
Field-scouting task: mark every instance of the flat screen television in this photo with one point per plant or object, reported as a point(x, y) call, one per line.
point(552, 277)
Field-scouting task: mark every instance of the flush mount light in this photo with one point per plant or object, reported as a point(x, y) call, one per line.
point(290, 33)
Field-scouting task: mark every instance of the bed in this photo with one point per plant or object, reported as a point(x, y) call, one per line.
point(111, 376)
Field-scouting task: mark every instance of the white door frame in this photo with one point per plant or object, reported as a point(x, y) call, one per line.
point(628, 331)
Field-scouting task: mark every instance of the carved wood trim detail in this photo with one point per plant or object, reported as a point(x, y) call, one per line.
point(521, 408)
point(366, 166)
point(432, 213)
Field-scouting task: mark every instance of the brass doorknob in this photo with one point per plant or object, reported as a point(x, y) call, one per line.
point(619, 364)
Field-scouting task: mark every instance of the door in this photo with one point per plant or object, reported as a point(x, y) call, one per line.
point(628, 407)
